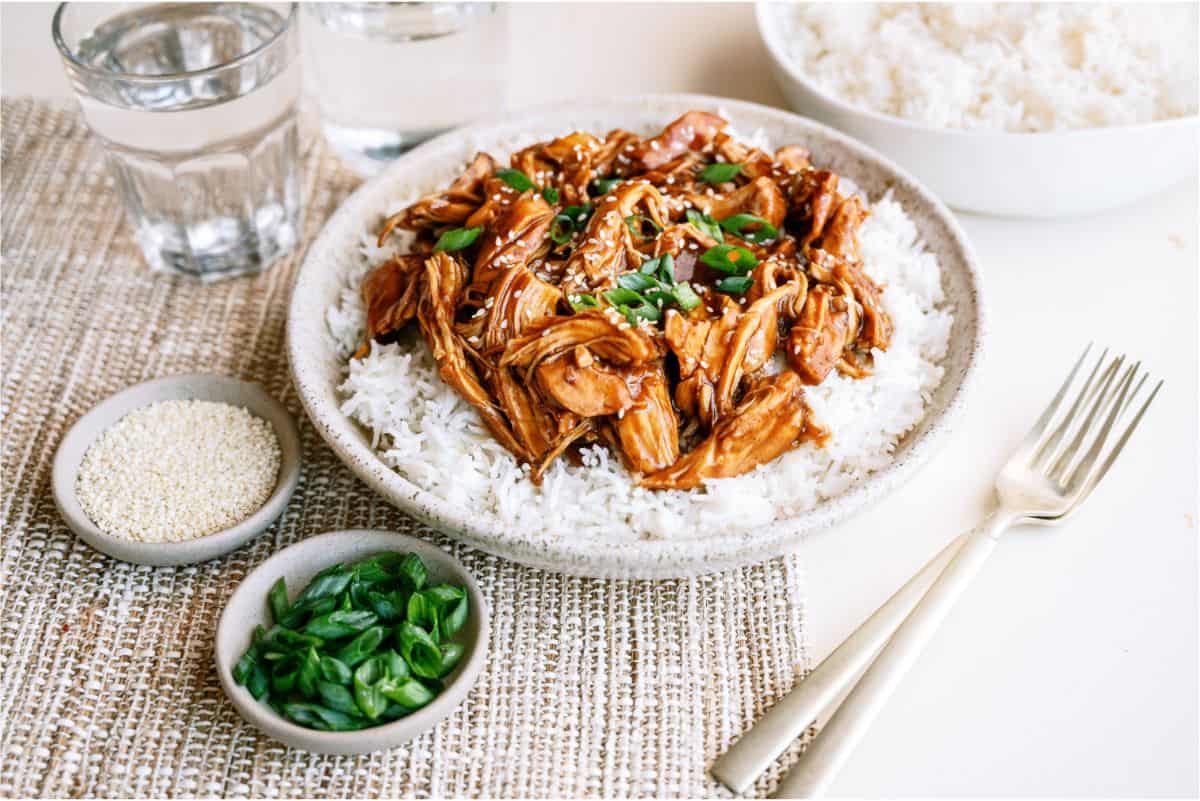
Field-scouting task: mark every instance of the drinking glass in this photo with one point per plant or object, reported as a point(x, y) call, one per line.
point(195, 104)
point(390, 75)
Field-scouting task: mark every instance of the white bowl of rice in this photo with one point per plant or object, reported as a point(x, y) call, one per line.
point(410, 436)
point(1030, 110)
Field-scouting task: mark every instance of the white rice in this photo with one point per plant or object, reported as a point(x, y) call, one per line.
point(1002, 66)
point(422, 429)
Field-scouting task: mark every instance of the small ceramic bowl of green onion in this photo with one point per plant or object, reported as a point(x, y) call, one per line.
point(352, 641)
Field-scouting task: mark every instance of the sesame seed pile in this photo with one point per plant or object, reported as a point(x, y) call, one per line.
point(177, 470)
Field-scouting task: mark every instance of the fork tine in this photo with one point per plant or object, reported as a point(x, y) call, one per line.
point(1039, 427)
point(1097, 397)
point(1084, 465)
point(1102, 470)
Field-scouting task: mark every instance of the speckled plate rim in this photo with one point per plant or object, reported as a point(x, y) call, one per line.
point(191, 386)
point(248, 606)
point(313, 362)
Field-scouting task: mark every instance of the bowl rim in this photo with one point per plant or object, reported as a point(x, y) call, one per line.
point(74, 445)
point(386, 735)
point(654, 558)
point(770, 36)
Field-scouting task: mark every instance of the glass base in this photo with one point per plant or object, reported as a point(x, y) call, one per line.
point(368, 150)
point(224, 247)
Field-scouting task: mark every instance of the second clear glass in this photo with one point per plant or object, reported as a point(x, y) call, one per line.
point(387, 76)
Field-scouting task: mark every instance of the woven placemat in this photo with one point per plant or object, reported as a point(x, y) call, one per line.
point(592, 688)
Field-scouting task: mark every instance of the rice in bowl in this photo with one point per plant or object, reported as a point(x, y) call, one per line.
point(1018, 67)
point(422, 429)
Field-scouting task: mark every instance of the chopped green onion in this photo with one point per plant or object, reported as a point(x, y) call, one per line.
point(336, 625)
point(734, 284)
point(561, 229)
point(550, 194)
point(637, 225)
point(581, 302)
point(451, 653)
point(516, 179)
point(602, 186)
point(325, 665)
point(751, 228)
point(412, 573)
point(278, 600)
point(336, 696)
point(622, 296)
point(315, 716)
point(719, 173)
point(729, 259)
point(638, 282)
point(457, 239)
point(419, 650)
point(650, 266)
point(705, 224)
point(361, 647)
point(685, 296)
point(666, 270)
point(645, 312)
point(410, 694)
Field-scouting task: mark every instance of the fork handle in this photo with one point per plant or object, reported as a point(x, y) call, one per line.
point(820, 763)
point(754, 752)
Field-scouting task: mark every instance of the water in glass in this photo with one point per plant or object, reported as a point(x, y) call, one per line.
point(387, 76)
point(196, 107)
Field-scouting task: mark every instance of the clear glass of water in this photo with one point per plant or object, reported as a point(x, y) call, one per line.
point(195, 104)
point(387, 76)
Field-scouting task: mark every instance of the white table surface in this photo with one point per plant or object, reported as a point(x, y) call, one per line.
point(1070, 667)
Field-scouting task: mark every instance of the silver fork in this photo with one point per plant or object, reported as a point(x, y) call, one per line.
point(1051, 474)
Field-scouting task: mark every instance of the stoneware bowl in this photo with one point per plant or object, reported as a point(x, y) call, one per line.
point(297, 564)
point(318, 369)
point(200, 386)
point(1052, 174)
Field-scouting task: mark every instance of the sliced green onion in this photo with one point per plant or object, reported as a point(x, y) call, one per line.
point(602, 186)
point(705, 224)
point(277, 598)
point(452, 621)
point(729, 259)
point(645, 312)
point(336, 696)
point(581, 302)
point(734, 284)
point(637, 225)
point(638, 282)
point(412, 573)
point(516, 179)
point(550, 194)
point(719, 173)
point(457, 239)
point(650, 266)
point(622, 296)
point(451, 653)
point(666, 270)
point(419, 650)
point(751, 228)
point(685, 296)
point(561, 228)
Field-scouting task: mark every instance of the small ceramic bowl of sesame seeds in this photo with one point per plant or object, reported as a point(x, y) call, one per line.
point(177, 470)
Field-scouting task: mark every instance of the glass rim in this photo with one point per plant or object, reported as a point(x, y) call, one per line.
point(133, 77)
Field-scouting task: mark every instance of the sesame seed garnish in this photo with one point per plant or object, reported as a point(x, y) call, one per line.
point(177, 470)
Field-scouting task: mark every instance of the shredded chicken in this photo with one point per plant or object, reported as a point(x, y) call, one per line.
point(770, 420)
point(631, 293)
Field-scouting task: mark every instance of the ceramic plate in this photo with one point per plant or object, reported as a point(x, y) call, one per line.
point(317, 369)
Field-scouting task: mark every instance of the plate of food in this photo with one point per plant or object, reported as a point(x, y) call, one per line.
point(647, 337)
